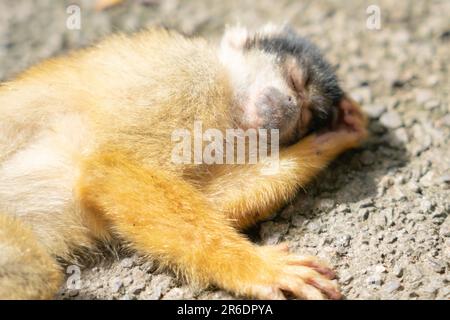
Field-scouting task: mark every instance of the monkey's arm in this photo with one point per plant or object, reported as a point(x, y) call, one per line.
point(166, 218)
point(247, 195)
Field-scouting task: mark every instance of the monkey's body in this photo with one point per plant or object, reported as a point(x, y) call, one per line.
point(57, 114)
point(85, 155)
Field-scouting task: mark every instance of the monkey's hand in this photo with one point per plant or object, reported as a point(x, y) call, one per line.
point(287, 274)
point(349, 131)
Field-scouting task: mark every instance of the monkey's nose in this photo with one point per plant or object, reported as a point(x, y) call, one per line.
point(274, 98)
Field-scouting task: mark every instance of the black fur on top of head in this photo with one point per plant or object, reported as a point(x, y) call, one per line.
point(321, 81)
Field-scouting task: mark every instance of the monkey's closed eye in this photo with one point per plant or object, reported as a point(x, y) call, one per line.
point(295, 78)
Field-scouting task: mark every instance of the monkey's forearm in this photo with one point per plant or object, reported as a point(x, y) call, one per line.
point(168, 219)
point(247, 194)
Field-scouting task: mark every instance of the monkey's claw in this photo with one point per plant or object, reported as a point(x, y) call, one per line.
point(290, 275)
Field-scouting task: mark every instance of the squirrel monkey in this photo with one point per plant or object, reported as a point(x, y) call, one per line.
point(85, 156)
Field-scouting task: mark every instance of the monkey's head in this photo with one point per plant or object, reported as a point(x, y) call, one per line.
point(280, 81)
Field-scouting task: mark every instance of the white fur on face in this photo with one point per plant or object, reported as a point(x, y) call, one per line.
point(250, 71)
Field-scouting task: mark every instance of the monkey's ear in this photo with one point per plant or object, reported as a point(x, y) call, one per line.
point(234, 38)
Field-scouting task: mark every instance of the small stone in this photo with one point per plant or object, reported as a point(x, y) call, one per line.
point(362, 95)
point(423, 95)
point(346, 277)
point(127, 263)
point(379, 269)
point(426, 206)
point(364, 214)
point(391, 238)
point(414, 187)
point(137, 287)
point(366, 203)
point(391, 120)
point(271, 233)
point(325, 204)
point(432, 104)
point(374, 280)
point(445, 292)
point(388, 216)
point(398, 271)
point(298, 220)
point(374, 111)
point(444, 178)
point(401, 135)
point(367, 158)
point(116, 284)
point(74, 293)
point(444, 231)
point(179, 294)
point(428, 179)
point(158, 286)
point(343, 208)
point(392, 286)
point(436, 266)
point(344, 241)
point(127, 281)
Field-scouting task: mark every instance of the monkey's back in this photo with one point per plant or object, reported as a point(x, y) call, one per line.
point(126, 92)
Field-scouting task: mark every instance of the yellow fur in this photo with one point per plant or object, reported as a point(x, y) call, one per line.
point(85, 155)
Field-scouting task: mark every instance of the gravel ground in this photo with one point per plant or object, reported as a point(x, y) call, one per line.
point(379, 214)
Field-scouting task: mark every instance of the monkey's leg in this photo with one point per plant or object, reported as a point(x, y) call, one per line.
point(250, 193)
point(167, 218)
point(26, 270)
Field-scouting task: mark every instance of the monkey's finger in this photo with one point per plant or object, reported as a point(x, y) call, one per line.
point(314, 263)
point(312, 277)
point(301, 289)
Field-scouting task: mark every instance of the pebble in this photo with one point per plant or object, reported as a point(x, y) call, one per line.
point(127, 262)
point(444, 230)
point(436, 266)
point(374, 111)
point(182, 293)
point(375, 280)
point(324, 204)
point(379, 269)
point(271, 233)
point(432, 104)
point(74, 293)
point(298, 220)
point(398, 271)
point(426, 206)
point(444, 178)
point(158, 286)
point(127, 280)
point(362, 95)
point(392, 286)
point(137, 287)
point(344, 241)
point(391, 120)
point(345, 277)
point(401, 135)
point(367, 158)
point(414, 187)
point(366, 203)
point(423, 95)
point(364, 214)
point(116, 284)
